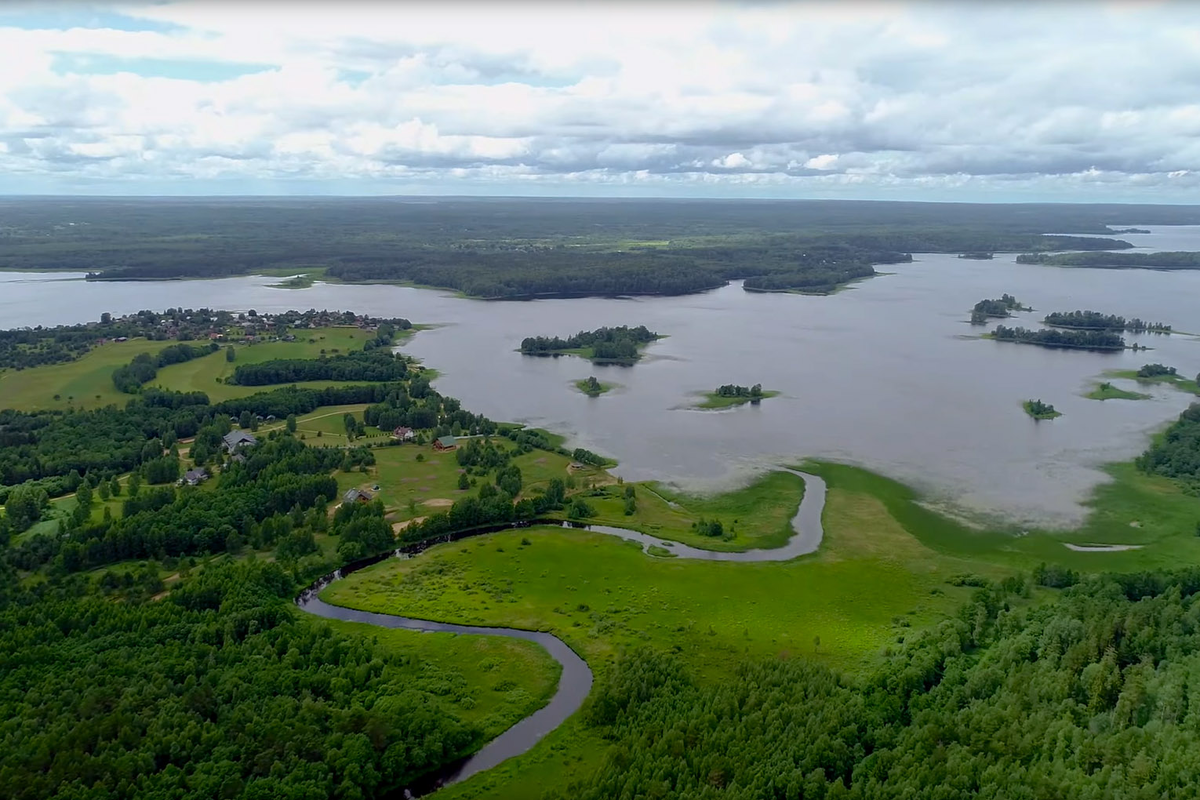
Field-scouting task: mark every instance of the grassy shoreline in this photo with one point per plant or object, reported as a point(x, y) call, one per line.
point(1106, 391)
point(712, 400)
point(1177, 381)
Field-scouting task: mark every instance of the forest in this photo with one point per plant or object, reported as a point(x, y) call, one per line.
point(1155, 371)
point(988, 308)
point(1164, 260)
point(620, 345)
point(1176, 454)
point(1094, 320)
point(525, 248)
point(376, 364)
point(1052, 337)
point(1086, 697)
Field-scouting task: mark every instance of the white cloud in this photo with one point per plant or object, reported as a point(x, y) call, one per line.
point(780, 98)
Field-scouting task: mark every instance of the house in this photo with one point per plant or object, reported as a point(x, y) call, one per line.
point(445, 443)
point(403, 434)
point(195, 476)
point(235, 440)
point(356, 496)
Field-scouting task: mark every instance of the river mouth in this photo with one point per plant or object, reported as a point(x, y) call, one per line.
point(575, 681)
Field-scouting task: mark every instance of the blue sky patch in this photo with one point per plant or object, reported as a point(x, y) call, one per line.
point(181, 69)
point(48, 17)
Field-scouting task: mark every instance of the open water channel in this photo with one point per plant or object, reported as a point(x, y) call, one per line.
point(887, 374)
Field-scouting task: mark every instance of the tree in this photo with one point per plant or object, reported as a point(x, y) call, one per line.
point(135, 484)
point(83, 496)
point(244, 419)
point(114, 487)
point(104, 490)
point(291, 423)
point(230, 354)
point(463, 481)
point(25, 505)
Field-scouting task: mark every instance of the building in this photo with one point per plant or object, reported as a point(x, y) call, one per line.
point(445, 443)
point(196, 476)
point(403, 434)
point(356, 496)
point(236, 440)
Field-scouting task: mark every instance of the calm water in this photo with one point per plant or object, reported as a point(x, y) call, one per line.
point(888, 375)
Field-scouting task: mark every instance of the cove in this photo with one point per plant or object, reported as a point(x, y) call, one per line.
point(575, 682)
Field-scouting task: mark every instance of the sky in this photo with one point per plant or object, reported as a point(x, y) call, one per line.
point(971, 101)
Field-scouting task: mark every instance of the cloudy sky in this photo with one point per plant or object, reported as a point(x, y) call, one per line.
point(937, 101)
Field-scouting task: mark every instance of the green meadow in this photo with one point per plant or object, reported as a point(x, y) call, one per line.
point(87, 382)
point(1106, 391)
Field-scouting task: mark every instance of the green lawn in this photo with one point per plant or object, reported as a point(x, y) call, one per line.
point(713, 400)
point(1106, 391)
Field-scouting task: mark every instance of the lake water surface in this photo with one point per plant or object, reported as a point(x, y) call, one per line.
point(887, 374)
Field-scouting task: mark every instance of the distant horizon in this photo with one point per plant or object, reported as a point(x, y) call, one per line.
point(588, 198)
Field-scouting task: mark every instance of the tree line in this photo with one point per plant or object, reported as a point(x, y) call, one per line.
point(1176, 454)
point(1053, 337)
point(1094, 320)
point(369, 365)
point(1100, 258)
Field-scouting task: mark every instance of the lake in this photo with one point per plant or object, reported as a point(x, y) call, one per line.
point(887, 374)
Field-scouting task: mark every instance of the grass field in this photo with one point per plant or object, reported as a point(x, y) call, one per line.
point(87, 383)
point(758, 515)
point(411, 488)
point(712, 400)
point(1106, 391)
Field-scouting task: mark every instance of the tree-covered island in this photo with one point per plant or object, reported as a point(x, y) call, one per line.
point(733, 395)
point(621, 345)
point(1039, 410)
point(992, 308)
point(1109, 260)
point(1053, 337)
point(1095, 321)
point(977, 256)
point(593, 386)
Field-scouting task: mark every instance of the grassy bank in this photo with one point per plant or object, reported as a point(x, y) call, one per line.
point(596, 390)
point(1106, 391)
point(1178, 381)
point(712, 400)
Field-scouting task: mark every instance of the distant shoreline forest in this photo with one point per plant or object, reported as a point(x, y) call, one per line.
point(514, 249)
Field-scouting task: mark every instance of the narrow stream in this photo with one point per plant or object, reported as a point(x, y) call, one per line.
point(576, 680)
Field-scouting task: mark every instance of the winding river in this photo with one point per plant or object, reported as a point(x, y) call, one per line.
point(576, 680)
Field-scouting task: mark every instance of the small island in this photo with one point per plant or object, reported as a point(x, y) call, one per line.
point(1095, 321)
point(593, 387)
point(1106, 391)
point(1053, 337)
point(1000, 309)
point(977, 256)
point(622, 345)
point(1039, 410)
point(731, 395)
point(1128, 230)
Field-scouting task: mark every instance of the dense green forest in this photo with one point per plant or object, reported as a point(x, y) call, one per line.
point(217, 691)
point(373, 365)
point(1094, 320)
point(988, 308)
point(1165, 260)
point(621, 344)
point(1176, 453)
point(1087, 697)
point(1052, 337)
point(523, 248)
